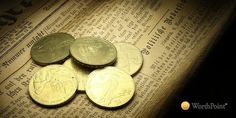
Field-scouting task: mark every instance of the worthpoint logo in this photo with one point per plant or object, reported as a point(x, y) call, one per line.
point(185, 105)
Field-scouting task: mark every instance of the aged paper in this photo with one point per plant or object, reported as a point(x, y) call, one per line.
point(172, 35)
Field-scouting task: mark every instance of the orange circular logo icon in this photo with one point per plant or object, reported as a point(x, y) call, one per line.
point(185, 105)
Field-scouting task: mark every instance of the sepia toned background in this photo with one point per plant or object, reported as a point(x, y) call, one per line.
point(164, 80)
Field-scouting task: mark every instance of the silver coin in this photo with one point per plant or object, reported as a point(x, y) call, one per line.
point(52, 48)
point(53, 85)
point(110, 87)
point(81, 72)
point(129, 58)
point(93, 52)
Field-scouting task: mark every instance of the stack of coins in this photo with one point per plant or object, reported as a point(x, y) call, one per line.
point(91, 64)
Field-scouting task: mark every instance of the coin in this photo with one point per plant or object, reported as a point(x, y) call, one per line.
point(82, 73)
point(93, 52)
point(110, 87)
point(53, 85)
point(129, 58)
point(52, 48)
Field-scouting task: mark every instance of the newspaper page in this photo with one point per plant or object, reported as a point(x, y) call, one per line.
point(171, 34)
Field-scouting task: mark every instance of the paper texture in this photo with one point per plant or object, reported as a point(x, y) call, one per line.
point(172, 35)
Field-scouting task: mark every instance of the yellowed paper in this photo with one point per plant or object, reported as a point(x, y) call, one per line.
point(172, 35)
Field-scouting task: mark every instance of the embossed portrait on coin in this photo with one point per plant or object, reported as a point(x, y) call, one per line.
point(109, 87)
point(95, 49)
point(46, 83)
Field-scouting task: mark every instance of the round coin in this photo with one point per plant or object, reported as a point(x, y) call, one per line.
point(82, 73)
point(53, 85)
point(110, 87)
point(93, 52)
point(129, 58)
point(52, 48)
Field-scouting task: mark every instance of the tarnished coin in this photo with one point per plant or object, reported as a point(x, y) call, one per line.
point(53, 85)
point(110, 87)
point(93, 52)
point(53, 48)
point(82, 73)
point(129, 58)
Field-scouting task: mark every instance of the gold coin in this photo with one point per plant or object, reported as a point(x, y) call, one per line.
point(53, 85)
point(110, 87)
point(52, 48)
point(129, 58)
point(82, 73)
point(93, 52)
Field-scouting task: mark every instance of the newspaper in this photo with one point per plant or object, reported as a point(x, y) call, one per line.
point(171, 34)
